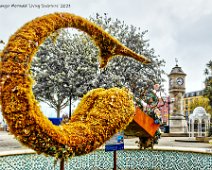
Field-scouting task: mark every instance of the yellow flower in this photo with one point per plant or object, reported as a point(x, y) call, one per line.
point(100, 114)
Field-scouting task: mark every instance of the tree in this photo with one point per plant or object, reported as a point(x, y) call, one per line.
point(126, 71)
point(68, 68)
point(203, 102)
point(62, 70)
point(208, 81)
point(1, 43)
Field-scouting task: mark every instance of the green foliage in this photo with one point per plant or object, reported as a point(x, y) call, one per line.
point(203, 102)
point(208, 81)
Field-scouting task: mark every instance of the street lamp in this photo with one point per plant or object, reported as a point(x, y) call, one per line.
point(170, 101)
point(167, 103)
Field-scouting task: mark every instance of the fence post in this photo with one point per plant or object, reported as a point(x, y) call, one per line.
point(114, 160)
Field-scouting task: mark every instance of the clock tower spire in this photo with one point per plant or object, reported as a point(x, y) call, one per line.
point(177, 80)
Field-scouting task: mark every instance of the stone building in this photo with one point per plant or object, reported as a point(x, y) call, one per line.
point(188, 99)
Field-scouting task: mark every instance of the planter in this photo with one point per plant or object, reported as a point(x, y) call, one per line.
point(203, 139)
point(142, 125)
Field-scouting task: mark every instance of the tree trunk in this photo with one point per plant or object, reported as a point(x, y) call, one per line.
point(70, 98)
point(58, 112)
point(62, 167)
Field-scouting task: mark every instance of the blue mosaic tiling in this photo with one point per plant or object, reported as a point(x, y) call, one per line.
point(126, 160)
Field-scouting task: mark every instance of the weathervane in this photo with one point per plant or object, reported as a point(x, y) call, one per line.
point(176, 60)
point(2, 42)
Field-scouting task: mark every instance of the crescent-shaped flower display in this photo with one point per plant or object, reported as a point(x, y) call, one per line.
point(100, 114)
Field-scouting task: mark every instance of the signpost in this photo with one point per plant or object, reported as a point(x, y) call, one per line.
point(114, 144)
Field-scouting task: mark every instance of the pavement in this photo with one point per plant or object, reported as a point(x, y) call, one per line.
point(8, 143)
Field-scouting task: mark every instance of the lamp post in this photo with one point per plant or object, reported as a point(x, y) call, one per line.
point(186, 113)
point(169, 102)
point(168, 110)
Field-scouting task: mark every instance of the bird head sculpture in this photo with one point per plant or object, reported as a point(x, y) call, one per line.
point(100, 114)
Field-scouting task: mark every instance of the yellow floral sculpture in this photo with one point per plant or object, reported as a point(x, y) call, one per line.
point(100, 114)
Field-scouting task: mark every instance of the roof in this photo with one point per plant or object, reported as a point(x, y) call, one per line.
point(199, 113)
point(177, 70)
point(194, 93)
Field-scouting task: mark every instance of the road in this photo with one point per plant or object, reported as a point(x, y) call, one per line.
point(9, 143)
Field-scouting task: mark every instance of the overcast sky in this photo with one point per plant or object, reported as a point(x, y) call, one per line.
point(179, 29)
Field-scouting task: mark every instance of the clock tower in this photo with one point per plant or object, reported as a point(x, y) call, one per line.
point(177, 121)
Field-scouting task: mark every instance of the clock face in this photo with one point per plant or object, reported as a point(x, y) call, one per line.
point(180, 81)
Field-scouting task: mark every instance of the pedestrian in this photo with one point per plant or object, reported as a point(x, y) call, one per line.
point(65, 119)
point(4, 125)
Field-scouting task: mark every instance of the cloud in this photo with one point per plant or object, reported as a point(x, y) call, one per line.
point(176, 29)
